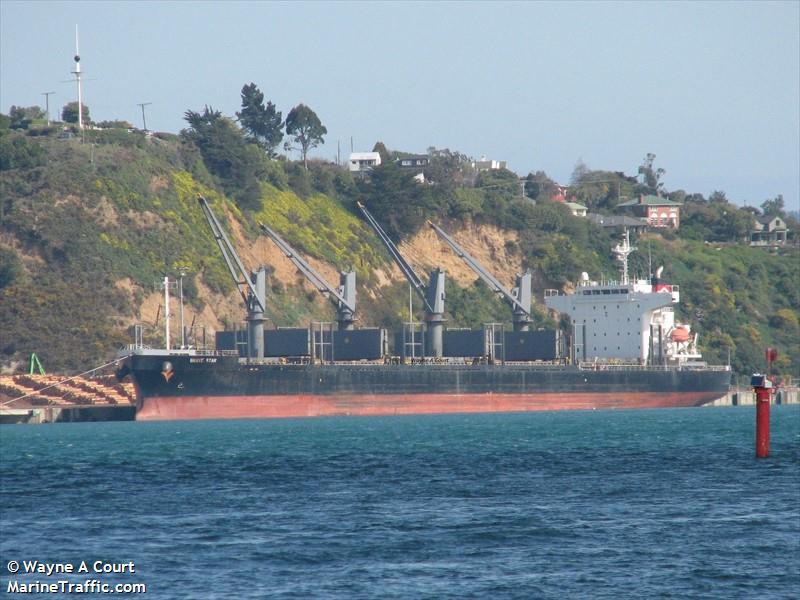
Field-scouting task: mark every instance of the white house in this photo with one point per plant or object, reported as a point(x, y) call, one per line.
point(579, 210)
point(363, 161)
point(485, 164)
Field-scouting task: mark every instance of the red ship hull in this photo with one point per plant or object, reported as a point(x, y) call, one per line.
point(157, 408)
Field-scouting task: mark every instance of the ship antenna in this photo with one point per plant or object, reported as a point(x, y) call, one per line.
point(622, 251)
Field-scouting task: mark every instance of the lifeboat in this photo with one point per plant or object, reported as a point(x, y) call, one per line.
point(680, 334)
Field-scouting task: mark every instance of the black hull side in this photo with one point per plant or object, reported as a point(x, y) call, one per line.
point(210, 376)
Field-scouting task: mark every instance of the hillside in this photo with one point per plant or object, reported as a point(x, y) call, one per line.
point(88, 230)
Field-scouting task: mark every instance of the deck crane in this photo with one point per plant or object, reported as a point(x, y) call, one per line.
point(519, 297)
point(343, 297)
point(432, 295)
point(252, 287)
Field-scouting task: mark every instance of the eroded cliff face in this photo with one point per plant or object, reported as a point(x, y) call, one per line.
point(426, 251)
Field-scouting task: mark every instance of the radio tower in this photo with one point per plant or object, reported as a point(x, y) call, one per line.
point(77, 73)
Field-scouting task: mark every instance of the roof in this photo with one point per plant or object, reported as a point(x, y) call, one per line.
point(575, 206)
point(365, 155)
point(649, 200)
point(616, 220)
point(767, 219)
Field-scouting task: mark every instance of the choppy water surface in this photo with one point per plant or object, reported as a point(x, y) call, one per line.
point(633, 504)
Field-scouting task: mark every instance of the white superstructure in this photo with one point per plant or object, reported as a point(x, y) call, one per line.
point(626, 320)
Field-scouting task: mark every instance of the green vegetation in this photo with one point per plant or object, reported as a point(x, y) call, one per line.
point(22, 117)
point(324, 229)
point(262, 123)
point(740, 299)
point(81, 222)
point(305, 128)
point(69, 114)
point(236, 165)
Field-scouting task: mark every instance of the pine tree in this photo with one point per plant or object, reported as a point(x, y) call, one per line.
point(261, 123)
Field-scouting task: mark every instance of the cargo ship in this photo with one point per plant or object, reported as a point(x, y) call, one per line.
point(205, 386)
point(624, 349)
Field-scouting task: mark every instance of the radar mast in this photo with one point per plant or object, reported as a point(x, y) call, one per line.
point(623, 250)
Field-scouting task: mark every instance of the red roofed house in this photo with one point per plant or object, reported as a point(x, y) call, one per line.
point(657, 211)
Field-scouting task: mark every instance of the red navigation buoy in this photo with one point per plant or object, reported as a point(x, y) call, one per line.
point(763, 389)
point(762, 386)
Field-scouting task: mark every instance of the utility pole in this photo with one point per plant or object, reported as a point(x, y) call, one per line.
point(144, 120)
point(47, 104)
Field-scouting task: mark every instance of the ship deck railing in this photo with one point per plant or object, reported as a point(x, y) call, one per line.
point(592, 366)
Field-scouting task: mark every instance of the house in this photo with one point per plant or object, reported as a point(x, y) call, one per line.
point(488, 165)
point(657, 211)
point(413, 162)
point(561, 194)
point(618, 222)
point(770, 231)
point(361, 162)
point(578, 210)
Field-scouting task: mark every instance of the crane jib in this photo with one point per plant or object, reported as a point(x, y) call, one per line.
point(311, 274)
point(487, 277)
point(401, 262)
point(232, 261)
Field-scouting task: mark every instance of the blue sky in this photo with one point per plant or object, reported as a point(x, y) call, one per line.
point(713, 89)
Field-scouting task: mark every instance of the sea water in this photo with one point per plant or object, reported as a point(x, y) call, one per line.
point(666, 503)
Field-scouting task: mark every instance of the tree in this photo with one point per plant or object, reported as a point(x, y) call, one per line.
point(718, 197)
point(69, 114)
point(651, 176)
point(580, 172)
point(538, 186)
point(227, 155)
point(16, 152)
point(594, 189)
point(21, 116)
point(304, 126)
point(448, 167)
point(734, 224)
point(10, 266)
point(774, 207)
point(397, 200)
point(201, 123)
point(381, 149)
point(115, 124)
point(262, 124)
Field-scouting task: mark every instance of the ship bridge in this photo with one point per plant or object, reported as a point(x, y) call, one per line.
point(611, 320)
point(627, 320)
